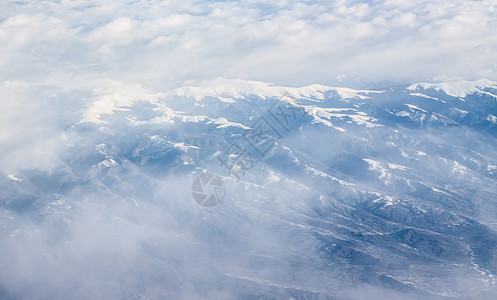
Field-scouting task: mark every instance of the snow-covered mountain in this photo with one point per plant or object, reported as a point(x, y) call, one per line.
point(331, 192)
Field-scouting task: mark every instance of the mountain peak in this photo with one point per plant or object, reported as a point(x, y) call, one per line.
point(458, 88)
point(238, 88)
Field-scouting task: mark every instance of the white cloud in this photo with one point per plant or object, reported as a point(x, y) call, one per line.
point(69, 54)
point(162, 44)
point(67, 61)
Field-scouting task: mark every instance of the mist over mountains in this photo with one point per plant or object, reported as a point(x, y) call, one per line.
point(248, 149)
point(385, 192)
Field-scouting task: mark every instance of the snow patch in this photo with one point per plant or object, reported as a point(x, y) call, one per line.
point(107, 163)
point(223, 123)
point(492, 119)
point(458, 89)
point(116, 96)
point(323, 174)
point(458, 168)
point(12, 177)
point(376, 166)
point(183, 147)
point(415, 107)
point(425, 96)
point(237, 88)
point(398, 167)
point(420, 153)
point(492, 169)
point(385, 200)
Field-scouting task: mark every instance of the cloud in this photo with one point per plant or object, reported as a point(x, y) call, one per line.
point(69, 61)
point(75, 57)
point(162, 44)
point(30, 126)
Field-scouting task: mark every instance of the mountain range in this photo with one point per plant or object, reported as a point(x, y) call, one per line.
point(331, 193)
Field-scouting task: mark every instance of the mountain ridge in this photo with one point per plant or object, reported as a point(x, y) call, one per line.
point(388, 190)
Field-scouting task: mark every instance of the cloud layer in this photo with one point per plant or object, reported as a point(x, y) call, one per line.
point(89, 208)
point(164, 43)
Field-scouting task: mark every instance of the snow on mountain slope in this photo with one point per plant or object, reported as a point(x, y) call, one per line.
point(386, 191)
point(120, 97)
point(230, 88)
point(460, 88)
point(117, 96)
point(312, 98)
